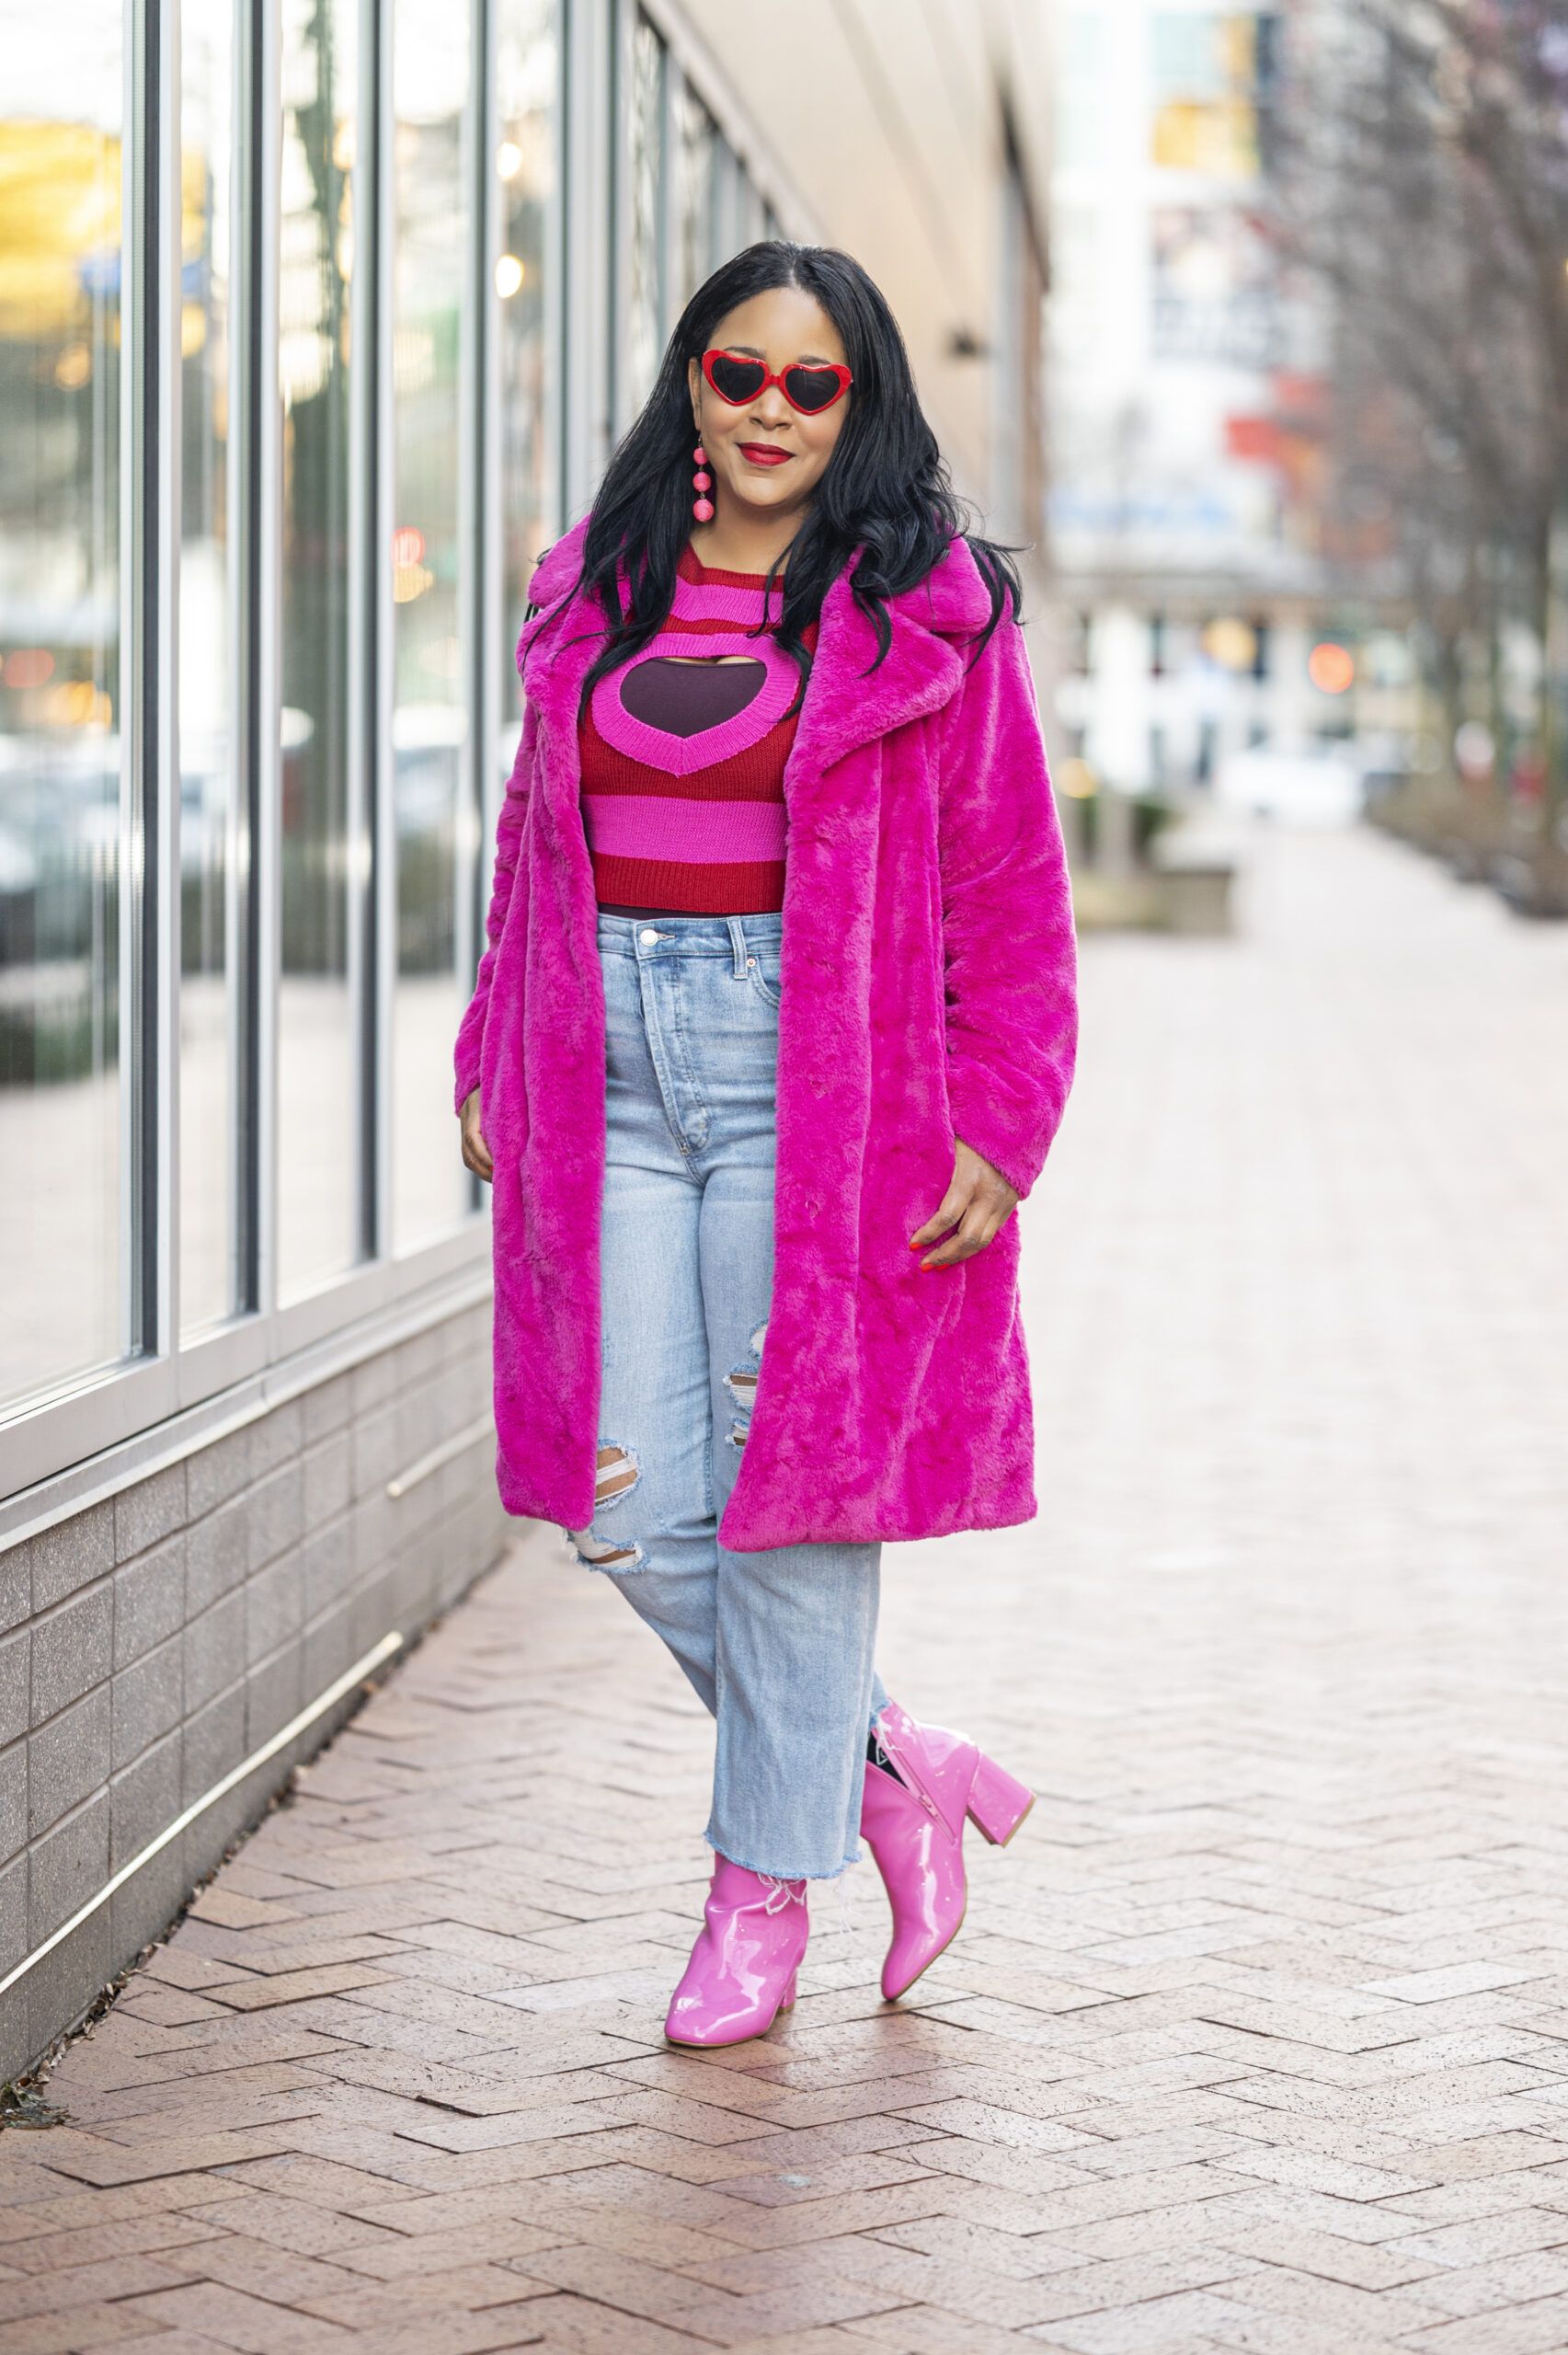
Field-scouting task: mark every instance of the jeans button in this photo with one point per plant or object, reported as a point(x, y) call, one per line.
point(648, 937)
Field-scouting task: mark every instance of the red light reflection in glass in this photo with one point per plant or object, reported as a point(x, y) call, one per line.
point(30, 666)
point(1331, 668)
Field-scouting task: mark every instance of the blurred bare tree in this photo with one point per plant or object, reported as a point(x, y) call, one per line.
point(1420, 151)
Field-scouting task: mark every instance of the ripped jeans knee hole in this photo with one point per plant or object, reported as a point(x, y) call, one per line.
point(616, 1473)
point(741, 1384)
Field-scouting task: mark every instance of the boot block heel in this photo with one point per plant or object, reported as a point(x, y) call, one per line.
point(998, 1802)
point(786, 2001)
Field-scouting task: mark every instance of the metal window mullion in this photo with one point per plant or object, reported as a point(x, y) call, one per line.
point(252, 565)
point(620, 203)
point(368, 646)
point(150, 785)
point(713, 196)
point(635, 25)
point(474, 338)
point(556, 248)
point(713, 225)
point(671, 285)
point(663, 183)
point(264, 712)
point(718, 201)
point(490, 555)
point(163, 1176)
point(380, 969)
point(587, 245)
point(132, 157)
point(566, 304)
point(730, 232)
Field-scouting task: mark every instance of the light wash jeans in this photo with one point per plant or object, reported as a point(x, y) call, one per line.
point(777, 1645)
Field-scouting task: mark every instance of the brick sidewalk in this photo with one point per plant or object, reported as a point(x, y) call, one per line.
point(1258, 2037)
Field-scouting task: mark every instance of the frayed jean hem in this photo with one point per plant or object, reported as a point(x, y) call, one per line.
point(767, 1871)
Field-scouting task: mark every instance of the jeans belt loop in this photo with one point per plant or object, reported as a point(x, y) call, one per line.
point(738, 942)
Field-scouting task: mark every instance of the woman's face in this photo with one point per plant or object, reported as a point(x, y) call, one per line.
point(764, 456)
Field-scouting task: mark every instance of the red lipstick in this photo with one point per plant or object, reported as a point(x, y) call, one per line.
point(763, 453)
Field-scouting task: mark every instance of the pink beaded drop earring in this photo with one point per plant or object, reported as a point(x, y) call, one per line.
point(702, 483)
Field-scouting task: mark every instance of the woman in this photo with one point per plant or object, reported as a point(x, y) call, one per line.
point(775, 1022)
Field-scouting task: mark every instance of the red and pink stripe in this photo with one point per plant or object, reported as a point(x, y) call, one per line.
point(695, 824)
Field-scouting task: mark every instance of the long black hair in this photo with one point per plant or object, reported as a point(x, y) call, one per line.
point(885, 491)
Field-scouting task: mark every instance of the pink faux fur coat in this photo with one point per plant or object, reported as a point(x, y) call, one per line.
point(927, 982)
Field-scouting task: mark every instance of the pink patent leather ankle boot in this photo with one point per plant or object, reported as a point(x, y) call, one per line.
point(741, 1975)
point(913, 1824)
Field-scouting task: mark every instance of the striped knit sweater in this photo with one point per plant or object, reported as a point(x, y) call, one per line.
point(683, 762)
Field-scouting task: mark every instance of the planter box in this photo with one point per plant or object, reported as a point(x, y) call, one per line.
point(1196, 898)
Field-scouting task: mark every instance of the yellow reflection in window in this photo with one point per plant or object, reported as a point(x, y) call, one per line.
point(1205, 75)
point(59, 220)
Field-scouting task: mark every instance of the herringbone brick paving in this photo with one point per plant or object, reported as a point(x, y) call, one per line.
point(1258, 2036)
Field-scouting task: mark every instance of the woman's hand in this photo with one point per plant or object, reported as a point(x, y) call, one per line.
point(977, 1204)
point(476, 1151)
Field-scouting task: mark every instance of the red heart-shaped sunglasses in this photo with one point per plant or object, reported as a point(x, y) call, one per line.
point(737, 378)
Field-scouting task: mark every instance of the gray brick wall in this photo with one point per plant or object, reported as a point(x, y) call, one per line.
point(151, 1642)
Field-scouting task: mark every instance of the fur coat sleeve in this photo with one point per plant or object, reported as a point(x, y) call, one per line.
point(1008, 947)
point(509, 840)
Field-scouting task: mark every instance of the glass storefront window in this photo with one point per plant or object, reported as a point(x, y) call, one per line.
point(207, 1288)
point(643, 340)
point(410, 628)
point(753, 211)
point(60, 691)
point(527, 73)
point(695, 163)
point(317, 1117)
point(728, 199)
point(434, 619)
